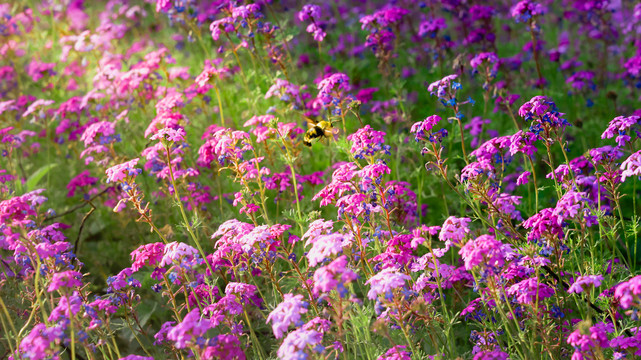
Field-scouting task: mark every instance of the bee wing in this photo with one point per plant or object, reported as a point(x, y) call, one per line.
point(310, 122)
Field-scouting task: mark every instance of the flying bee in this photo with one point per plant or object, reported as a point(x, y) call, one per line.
point(318, 130)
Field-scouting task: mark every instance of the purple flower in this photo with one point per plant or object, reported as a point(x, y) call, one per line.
point(336, 275)
point(423, 128)
point(440, 87)
point(136, 357)
point(312, 12)
point(581, 80)
point(247, 293)
point(569, 206)
point(367, 142)
point(485, 250)
point(583, 283)
point(431, 26)
point(619, 127)
point(177, 252)
point(383, 18)
point(81, 180)
point(66, 279)
point(331, 85)
point(631, 166)
point(120, 172)
point(454, 230)
point(66, 304)
point(309, 11)
point(385, 281)
point(633, 65)
point(526, 9)
point(189, 330)
point(587, 340)
point(523, 142)
point(42, 342)
point(491, 355)
point(324, 246)
point(286, 313)
point(541, 223)
point(224, 347)
point(297, 344)
point(530, 290)
point(523, 178)
point(484, 57)
point(398, 352)
point(628, 292)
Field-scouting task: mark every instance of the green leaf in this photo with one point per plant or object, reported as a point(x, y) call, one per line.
point(35, 178)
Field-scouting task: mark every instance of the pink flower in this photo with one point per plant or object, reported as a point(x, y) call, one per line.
point(286, 313)
point(149, 254)
point(218, 26)
point(530, 290)
point(619, 127)
point(454, 230)
point(586, 342)
point(484, 57)
point(398, 352)
point(385, 281)
point(42, 342)
point(296, 344)
point(523, 178)
point(81, 180)
point(542, 223)
point(331, 85)
point(631, 166)
point(423, 128)
point(103, 128)
point(367, 142)
point(334, 276)
point(177, 252)
point(583, 283)
point(120, 172)
point(324, 246)
point(485, 250)
point(309, 11)
point(66, 279)
point(439, 87)
point(628, 292)
point(172, 135)
point(189, 330)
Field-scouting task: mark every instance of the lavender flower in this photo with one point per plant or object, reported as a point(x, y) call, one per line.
point(189, 331)
point(530, 290)
point(454, 230)
point(631, 166)
point(485, 250)
point(619, 127)
point(335, 275)
point(583, 283)
point(397, 352)
point(297, 344)
point(287, 313)
point(385, 281)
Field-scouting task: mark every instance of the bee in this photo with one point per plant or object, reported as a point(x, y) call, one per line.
point(318, 130)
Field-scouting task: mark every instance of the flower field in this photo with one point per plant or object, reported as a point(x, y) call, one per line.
point(344, 179)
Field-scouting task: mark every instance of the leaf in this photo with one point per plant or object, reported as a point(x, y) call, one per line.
point(35, 178)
